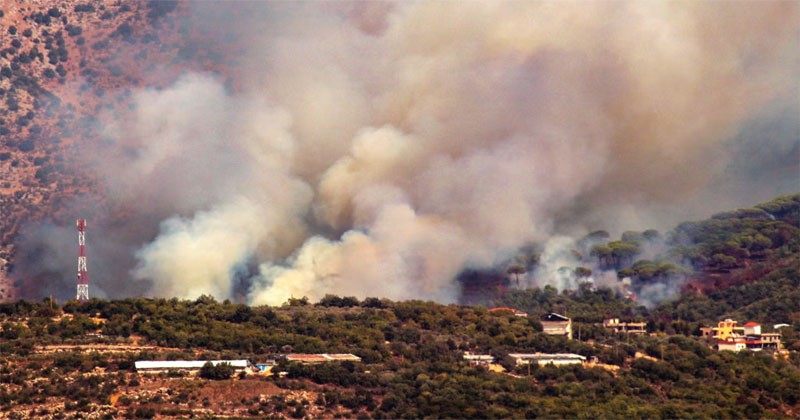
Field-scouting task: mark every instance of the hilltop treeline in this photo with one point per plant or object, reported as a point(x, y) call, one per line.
point(729, 249)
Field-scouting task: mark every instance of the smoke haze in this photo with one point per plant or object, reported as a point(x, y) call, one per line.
point(378, 149)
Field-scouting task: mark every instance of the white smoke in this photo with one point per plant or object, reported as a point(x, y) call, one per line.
point(377, 151)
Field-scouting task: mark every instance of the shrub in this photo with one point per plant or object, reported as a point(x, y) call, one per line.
point(100, 44)
point(216, 372)
point(73, 30)
point(159, 8)
point(86, 7)
point(26, 146)
point(124, 30)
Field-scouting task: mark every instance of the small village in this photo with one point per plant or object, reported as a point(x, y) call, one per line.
point(726, 336)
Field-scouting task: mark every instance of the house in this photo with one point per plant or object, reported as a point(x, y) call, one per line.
point(757, 341)
point(478, 359)
point(155, 366)
point(734, 344)
point(266, 367)
point(752, 328)
point(747, 337)
point(723, 330)
point(555, 324)
point(322, 358)
point(542, 359)
point(636, 328)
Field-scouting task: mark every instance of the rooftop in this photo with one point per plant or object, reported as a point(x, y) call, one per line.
point(554, 317)
point(186, 364)
point(546, 356)
point(478, 357)
point(323, 357)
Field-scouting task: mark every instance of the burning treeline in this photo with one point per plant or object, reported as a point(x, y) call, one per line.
point(380, 149)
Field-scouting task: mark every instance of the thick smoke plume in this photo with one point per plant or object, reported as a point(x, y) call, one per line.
point(377, 149)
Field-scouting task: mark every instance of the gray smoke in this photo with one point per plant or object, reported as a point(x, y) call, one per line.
point(377, 149)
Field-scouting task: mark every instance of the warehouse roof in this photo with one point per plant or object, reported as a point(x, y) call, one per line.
point(186, 364)
point(545, 356)
point(315, 358)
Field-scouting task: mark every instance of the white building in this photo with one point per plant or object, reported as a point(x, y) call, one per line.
point(555, 324)
point(733, 344)
point(752, 328)
point(187, 365)
point(322, 357)
point(557, 359)
point(479, 359)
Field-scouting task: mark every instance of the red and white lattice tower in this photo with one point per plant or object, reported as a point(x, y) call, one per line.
point(83, 276)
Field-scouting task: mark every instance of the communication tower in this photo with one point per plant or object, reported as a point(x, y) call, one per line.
point(83, 276)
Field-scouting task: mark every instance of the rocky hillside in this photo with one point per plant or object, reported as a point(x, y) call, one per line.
point(62, 65)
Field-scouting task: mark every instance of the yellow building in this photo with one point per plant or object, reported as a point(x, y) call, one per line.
point(724, 330)
point(727, 328)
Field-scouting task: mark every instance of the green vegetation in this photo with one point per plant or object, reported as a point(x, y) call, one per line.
point(216, 372)
point(85, 7)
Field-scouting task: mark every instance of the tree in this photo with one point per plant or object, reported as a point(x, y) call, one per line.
point(216, 372)
point(516, 270)
point(622, 251)
point(723, 261)
point(603, 254)
point(26, 146)
point(597, 236)
point(633, 237)
point(760, 242)
point(651, 234)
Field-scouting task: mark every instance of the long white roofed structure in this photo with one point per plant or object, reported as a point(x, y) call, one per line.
point(163, 365)
point(542, 359)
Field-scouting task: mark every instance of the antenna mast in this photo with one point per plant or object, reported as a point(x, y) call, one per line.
point(83, 276)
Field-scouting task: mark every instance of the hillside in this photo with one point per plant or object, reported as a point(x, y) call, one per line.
point(63, 66)
point(411, 356)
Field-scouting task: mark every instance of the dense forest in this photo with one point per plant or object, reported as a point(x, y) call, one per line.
point(58, 360)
